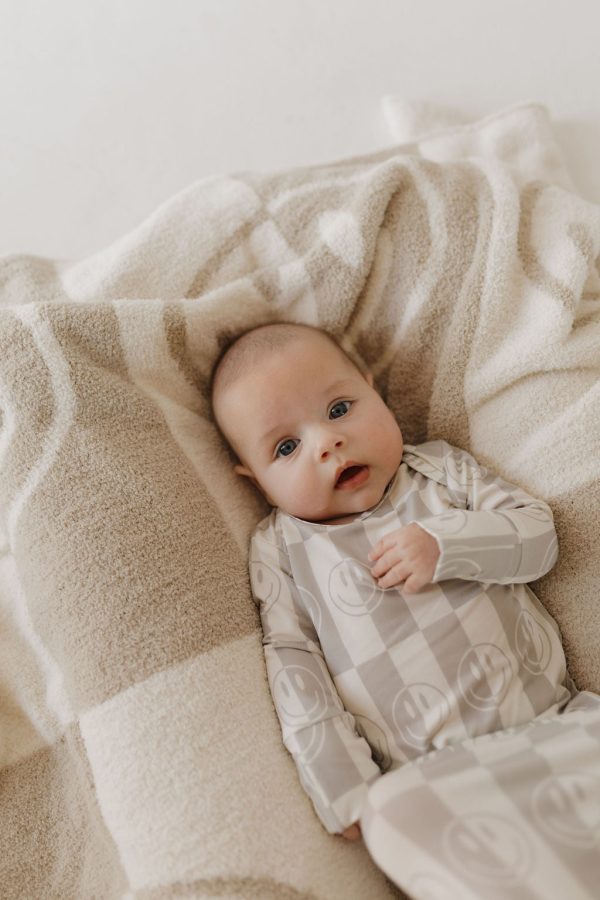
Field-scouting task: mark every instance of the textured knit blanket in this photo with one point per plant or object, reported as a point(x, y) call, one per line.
point(140, 753)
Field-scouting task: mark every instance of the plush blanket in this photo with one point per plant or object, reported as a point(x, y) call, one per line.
point(140, 752)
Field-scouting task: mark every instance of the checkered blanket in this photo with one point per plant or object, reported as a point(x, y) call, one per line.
point(140, 753)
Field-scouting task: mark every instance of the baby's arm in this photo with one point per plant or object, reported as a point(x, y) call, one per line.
point(497, 533)
point(334, 762)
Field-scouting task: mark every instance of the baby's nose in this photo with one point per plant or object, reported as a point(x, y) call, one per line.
point(328, 447)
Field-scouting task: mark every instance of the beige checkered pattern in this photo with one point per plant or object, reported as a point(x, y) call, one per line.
point(365, 679)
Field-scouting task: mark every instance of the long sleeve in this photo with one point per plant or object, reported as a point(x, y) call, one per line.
point(498, 534)
point(334, 763)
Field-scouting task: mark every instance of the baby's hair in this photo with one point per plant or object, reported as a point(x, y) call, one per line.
point(241, 353)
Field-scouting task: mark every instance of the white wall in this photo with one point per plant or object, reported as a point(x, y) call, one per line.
point(110, 106)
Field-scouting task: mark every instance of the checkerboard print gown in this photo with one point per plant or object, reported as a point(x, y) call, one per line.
point(364, 679)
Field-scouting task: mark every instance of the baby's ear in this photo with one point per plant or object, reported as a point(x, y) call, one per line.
point(248, 473)
point(243, 470)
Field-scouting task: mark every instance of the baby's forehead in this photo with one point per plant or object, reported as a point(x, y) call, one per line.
point(315, 344)
point(316, 357)
point(306, 352)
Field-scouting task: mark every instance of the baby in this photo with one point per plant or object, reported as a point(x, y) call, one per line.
point(391, 578)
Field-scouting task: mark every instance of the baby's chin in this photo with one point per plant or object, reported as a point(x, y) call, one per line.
point(335, 515)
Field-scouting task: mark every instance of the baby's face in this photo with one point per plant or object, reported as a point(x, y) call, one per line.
point(312, 432)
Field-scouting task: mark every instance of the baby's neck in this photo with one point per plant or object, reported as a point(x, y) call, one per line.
point(342, 520)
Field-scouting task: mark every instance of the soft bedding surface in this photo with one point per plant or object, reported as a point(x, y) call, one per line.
point(140, 752)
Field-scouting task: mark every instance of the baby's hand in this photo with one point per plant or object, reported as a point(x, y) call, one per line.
point(352, 832)
point(408, 555)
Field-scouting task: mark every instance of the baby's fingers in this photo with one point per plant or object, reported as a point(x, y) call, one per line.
point(377, 550)
point(386, 543)
point(386, 561)
point(393, 576)
point(414, 583)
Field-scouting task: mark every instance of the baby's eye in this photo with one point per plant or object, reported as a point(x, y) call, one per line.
point(339, 409)
point(285, 448)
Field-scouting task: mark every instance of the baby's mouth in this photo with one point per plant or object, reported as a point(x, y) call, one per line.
point(352, 476)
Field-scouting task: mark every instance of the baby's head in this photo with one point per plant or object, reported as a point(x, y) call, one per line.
point(306, 424)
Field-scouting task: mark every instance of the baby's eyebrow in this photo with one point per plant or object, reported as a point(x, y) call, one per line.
point(268, 436)
point(342, 382)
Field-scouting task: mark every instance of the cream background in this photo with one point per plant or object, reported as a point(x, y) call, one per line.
point(110, 106)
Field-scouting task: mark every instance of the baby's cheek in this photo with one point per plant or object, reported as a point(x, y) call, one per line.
point(387, 441)
point(311, 497)
point(291, 492)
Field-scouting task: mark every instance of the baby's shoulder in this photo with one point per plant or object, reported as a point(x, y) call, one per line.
point(430, 457)
point(442, 462)
point(267, 529)
point(269, 535)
